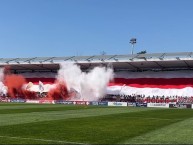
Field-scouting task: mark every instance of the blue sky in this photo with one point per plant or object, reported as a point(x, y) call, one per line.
point(31, 28)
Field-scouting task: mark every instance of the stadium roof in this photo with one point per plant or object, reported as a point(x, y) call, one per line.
point(136, 62)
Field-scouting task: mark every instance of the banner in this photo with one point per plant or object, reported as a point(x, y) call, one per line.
point(94, 103)
point(46, 101)
point(63, 102)
point(81, 103)
point(141, 104)
point(32, 101)
point(159, 105)
point(103, 103)
point(131, 104)
point(151, 83)
point(18, 100)
point(117, 103)
point(180, 105)
point(4, 100)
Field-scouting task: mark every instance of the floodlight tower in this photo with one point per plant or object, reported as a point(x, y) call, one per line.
point(133, 41)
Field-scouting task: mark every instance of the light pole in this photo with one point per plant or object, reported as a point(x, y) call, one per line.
point(133, 41)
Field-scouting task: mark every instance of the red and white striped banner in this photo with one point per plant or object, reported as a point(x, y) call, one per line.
point(148, 83)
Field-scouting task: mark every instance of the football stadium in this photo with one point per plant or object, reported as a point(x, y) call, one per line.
point(99, 99)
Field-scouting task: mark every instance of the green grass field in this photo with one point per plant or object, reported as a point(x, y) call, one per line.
point(62, 124)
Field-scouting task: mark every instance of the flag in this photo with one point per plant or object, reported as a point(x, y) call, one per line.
point(29, 85)
point(41, 87)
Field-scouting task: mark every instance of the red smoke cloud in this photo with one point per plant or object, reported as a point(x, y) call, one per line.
point(15, 89)
point(59, 92)
point(29, 94)
point(14, 84)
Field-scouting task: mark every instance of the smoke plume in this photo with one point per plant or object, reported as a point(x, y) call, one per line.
point(3, 88)
point(88, 86)
point(71, 84)
point(15, 84)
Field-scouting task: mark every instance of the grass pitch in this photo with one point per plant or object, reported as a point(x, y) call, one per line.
point(63, 124)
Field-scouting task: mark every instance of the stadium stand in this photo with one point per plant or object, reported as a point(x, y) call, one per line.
point(158, 77)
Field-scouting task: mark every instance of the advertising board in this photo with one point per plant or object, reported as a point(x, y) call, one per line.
point(46, 101)
point(141, 104)
point(180, 106)
point(32, 101)
point(4, 100)
point(159, 105)
point(93, 103)
point(103, 103)
point(18, 100)
point(131, 104)
point(117, 103)
point(81, 103)
point(63, 102)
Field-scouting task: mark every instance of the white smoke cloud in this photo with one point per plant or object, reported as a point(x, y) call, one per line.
point(3, 88)
point(91, 86)
point(71, 74)
point(1, 74)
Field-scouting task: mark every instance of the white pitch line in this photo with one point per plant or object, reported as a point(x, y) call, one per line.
point(38, 139)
